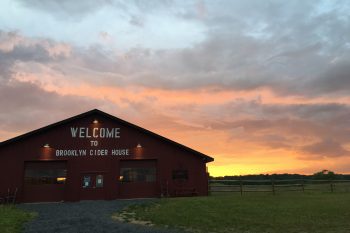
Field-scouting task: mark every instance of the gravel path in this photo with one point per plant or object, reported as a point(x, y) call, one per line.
point(82, 217)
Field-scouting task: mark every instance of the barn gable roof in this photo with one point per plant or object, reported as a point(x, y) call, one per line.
point(113, 118)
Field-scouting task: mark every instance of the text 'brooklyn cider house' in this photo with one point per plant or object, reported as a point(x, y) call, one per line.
point(82, 132)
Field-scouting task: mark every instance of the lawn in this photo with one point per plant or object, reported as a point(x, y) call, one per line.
point(251, 213)
point(12, 219)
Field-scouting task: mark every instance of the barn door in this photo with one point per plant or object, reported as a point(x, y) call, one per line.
point(44, 181)
point(138, 178)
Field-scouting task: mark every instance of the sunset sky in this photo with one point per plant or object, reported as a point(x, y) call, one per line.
point(261, 86)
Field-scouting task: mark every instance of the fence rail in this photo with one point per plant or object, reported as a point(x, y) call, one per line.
point(273, 186)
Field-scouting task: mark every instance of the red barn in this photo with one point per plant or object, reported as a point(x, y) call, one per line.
point(96, 156)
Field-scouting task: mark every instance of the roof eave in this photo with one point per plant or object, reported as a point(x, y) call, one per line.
point(23, 136)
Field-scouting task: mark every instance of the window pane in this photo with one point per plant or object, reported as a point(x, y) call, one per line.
point(180, 174)
point(138, 174)
point(99, 181)
point(45, 176)
point(87, 182)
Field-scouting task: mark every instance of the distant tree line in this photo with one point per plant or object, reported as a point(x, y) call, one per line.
point(321, 175)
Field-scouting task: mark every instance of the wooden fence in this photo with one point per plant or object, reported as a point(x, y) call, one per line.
point(273, 186)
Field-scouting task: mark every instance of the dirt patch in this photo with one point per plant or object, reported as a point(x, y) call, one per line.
point(129, 217)
point(87, 217)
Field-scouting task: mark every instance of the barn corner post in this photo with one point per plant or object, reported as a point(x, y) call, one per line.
point(208, 186)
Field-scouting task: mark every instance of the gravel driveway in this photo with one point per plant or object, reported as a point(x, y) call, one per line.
point(82, 217)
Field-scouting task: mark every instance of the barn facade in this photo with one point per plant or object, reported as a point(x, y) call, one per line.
point(96, 156)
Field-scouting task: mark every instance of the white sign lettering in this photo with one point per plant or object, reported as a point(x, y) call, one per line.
point(94, 134)
point(83, 132)
point(98, 152)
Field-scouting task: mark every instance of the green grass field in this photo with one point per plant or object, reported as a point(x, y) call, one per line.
point(12, 219)
point(251, 213)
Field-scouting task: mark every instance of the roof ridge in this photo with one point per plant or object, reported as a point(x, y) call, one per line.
point(84, 114)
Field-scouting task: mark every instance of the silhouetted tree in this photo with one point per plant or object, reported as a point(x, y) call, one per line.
point(324, 175)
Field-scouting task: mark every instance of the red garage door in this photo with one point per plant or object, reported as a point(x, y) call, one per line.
point(44, 181)
point(138, 178)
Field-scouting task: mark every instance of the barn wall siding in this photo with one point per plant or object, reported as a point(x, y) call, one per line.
point(168, 156)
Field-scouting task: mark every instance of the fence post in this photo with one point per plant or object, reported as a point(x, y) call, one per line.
point(273, 186)
point(240, 185)
point(302, 185)
point(332, 186)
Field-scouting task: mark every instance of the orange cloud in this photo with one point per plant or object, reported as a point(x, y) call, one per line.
point(246, 146)
point(238, 150)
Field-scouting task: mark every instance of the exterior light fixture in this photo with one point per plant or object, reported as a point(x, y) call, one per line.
point(95, 121)
point(47, 145)
point(139, 145)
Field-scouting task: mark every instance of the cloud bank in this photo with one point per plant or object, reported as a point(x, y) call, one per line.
point(258, 81)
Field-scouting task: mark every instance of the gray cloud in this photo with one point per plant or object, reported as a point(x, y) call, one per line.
point(24, 106)
point(336, 78)
point(236, 63)
point(291, 48)
point(289, 55)
point(27, 53)
point(78, 10)
point(136, 21)
point(306, 128)
point(66, 9)
point(14, 48)
point(326, 148)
